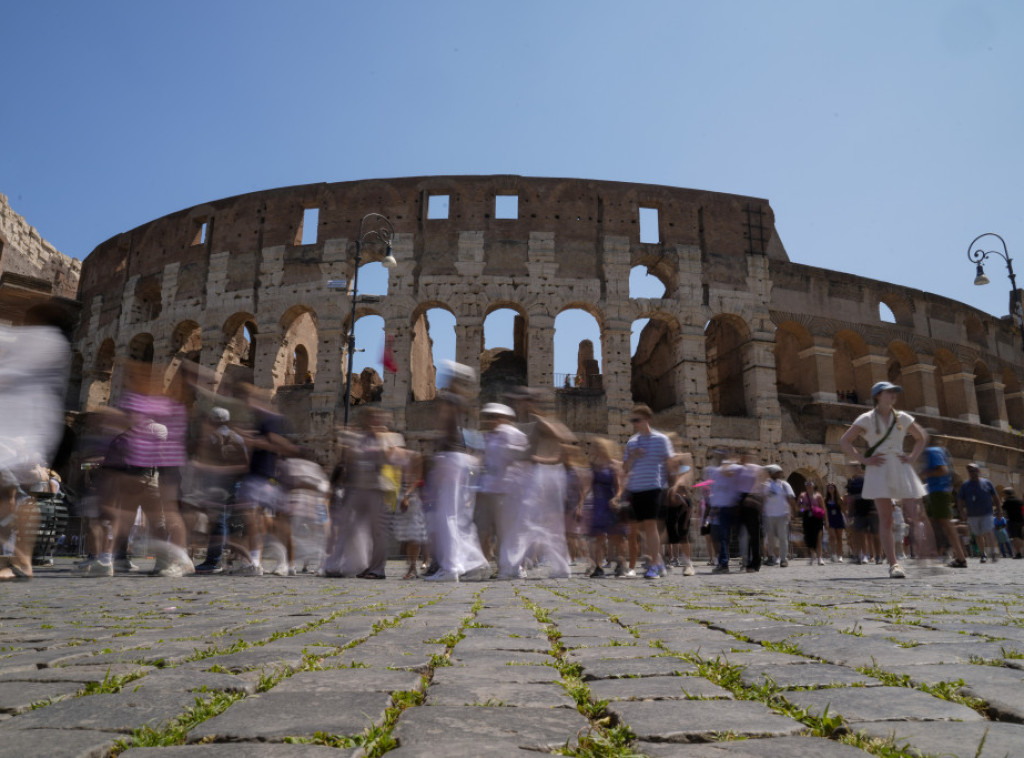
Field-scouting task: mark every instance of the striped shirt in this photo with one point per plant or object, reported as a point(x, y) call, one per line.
point(647, 471)
point(146, 447)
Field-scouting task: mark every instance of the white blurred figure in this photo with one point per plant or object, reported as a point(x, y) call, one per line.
point(34, 362)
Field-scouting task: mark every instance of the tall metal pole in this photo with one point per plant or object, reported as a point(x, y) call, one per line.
point(384, 232)
point(978, 256)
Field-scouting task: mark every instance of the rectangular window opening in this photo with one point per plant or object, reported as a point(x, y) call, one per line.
point(310, 226)
point(199, 238)
point(649, 233)
point(506, 206)
point(437, 207)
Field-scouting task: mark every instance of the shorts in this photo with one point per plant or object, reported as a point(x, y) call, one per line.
point(981, 524)
point(645, 504)
point(939, 505)
point(677, 525)
point(866, 523)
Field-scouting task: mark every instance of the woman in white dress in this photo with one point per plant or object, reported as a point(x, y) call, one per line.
point(889, 474)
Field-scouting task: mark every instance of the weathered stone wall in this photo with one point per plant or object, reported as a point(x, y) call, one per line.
point(24, 252)
point(745, 348)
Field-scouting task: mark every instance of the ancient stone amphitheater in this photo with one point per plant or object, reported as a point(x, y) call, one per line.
point(745, 347)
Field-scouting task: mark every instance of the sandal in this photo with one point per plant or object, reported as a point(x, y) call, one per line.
point(13, 573)
point(411, 574)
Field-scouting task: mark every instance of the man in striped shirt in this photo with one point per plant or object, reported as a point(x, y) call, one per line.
point(645, 463)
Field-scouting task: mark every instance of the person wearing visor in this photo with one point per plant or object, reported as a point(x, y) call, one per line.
point(889, 474)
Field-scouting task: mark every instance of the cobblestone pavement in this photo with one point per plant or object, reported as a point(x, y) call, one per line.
point(824, 661)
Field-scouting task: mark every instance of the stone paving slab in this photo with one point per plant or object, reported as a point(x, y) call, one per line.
point(496, 692)
point(350, 680)
point(657, 688)
point(531, 728)
point(460, 675)
point(249, 750)
point(464, 749)
point(950, 739)
point(804, 675)
point(18, 698)
point(275, 715)
point(48, 743)
point(81, 674)
point(779, 747)
point(121, 712)
point(701, 720)
point(881, 704)
point(665, 665)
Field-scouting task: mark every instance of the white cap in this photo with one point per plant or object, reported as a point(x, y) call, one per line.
point(497, 409)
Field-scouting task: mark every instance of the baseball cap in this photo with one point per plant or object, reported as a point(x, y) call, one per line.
point(883, 386)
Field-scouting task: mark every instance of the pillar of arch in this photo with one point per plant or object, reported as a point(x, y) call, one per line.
point(803, 365)
point(233, 356)
point(955, 388)
point(1014, 398)
point(96, 385)
point(541, 336)
point(901, 357)
point(857, 366)
point(615, 334)
point(989, 396)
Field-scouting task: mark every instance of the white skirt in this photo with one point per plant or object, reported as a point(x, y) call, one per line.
point(893, 480)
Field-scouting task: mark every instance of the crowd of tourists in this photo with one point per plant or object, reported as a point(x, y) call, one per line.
point(212, 482)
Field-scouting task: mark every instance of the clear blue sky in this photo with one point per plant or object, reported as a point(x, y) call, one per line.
point(886, 135)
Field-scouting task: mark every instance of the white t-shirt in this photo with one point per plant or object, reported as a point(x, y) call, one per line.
point(776, 498)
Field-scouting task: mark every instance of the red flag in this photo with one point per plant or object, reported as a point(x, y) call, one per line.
point(389, 356)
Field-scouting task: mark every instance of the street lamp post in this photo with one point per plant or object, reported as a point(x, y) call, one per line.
point(978, 256)
point(380, 230)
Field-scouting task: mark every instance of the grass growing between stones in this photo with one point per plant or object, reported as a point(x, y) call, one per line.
point(949, 691)
point(110, 684)
point(604, 739)
point(827, 725)
point(175, 732)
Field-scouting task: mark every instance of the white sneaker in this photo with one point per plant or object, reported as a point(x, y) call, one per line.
point(821, 561)
point(896, 572)
point(631, 572)
point(93, 568)
point(689, 570)
point(280, 570)
point(839, 559)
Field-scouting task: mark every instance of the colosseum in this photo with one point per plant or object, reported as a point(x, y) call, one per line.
point(745, 347)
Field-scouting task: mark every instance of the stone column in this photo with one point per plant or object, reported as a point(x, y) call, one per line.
point(540, 361)
point(266, 346)
point(469, 341)
point(396, 386)
point(820, 359)
point(993, 392)
point(960, 398)
point(868, 370)
point(617, 391)
point(919, 381)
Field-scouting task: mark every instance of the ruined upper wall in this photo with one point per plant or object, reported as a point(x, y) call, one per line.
point(577, 212)
point(24, 252)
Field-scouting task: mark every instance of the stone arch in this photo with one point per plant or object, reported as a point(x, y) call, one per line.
point(502, 360)
point(976, 332)
point(238, 356)
point(853, 374)
point(140, 348)
point(368, 381)
point(299, 329)
point(949, 392)
point(899, 356)
point(654, 359)
point(422, 366)
point(985, 395)
point(187, 341)
point(726, 341)
point(795, 371)
point(1014, 398)
point(573, 321)
point(902, 307)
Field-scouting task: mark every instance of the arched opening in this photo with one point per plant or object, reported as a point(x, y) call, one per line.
point(794, 375)
point(725, 340)
point(140, 348)
point(894, 308)
point(985, 394)
point(367, 365)
point(187, 341)
point(885, 314)
point(238, 358)
point(433, 341)
point(1014, 399)
point(643, 283)
point(503, 360)
point(296, 360)
point(577, 350)
point(653, 348)
point(853, 374)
